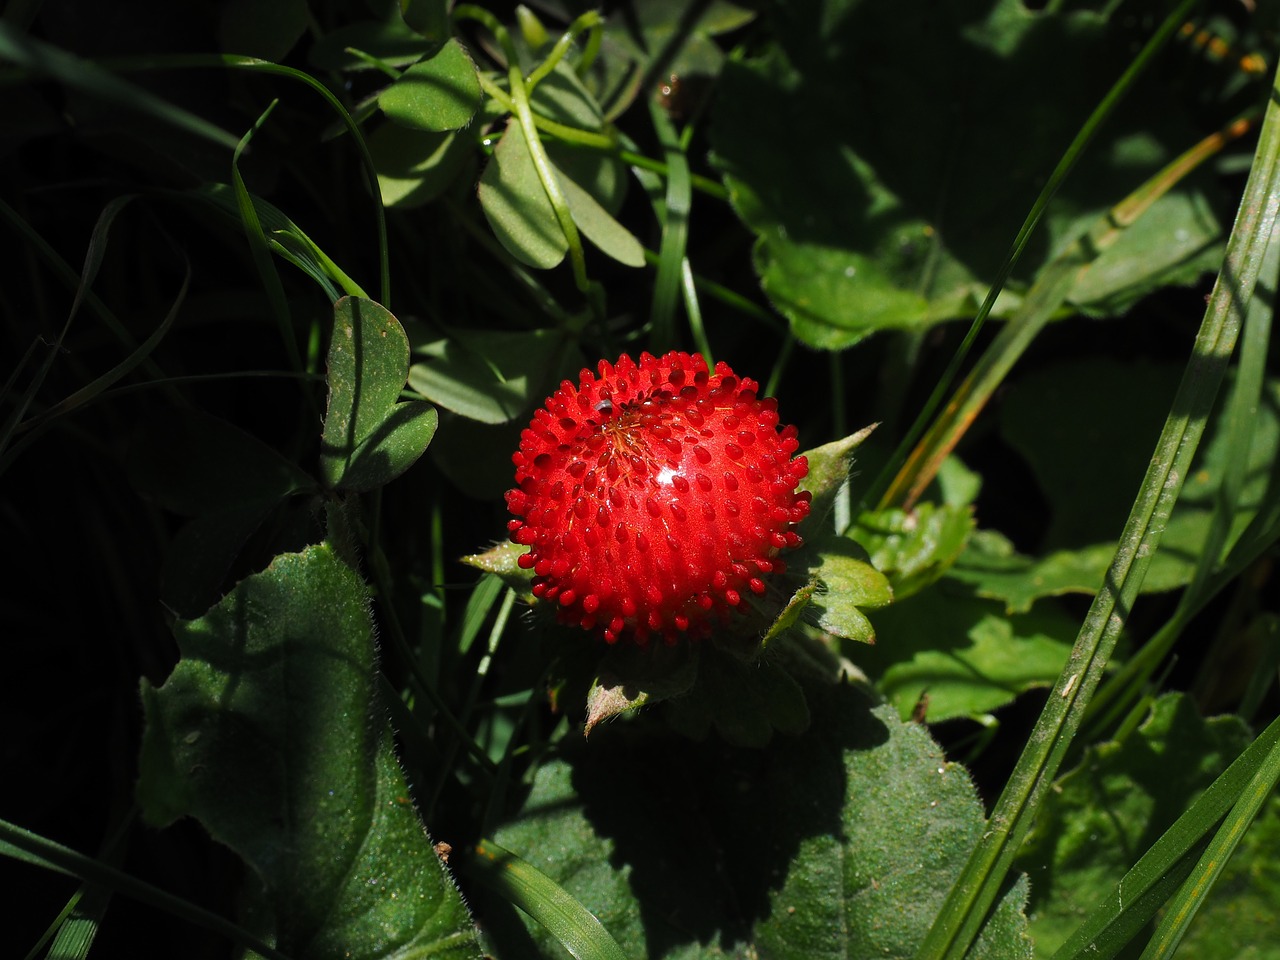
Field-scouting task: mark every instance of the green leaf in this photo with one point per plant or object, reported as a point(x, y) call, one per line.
point(828, 470)
point(516, 204)
point(915, 548)
point(562, 97)
point(393, 447)
point(268, 31)
point(848, 583)
point(369, 438)
point(430, 18)
point(392, 41)
point(961, 652)
point(491, 376)
point(925, 216)
point(438, 94)
point(745, 702)
point(1104, 814)
point(996, 570)
point(268, 733)
point(1041, 419)
point(581, 933)
point(414, 166)
point(45, 60)
point(630, 677)
point(838, 843)
point(598, 226)
point(501, 559)
point(285, 237)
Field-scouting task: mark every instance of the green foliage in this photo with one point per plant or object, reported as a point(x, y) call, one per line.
point(201, 444)
point(438, 94)
point(924, 215)
point(268, 733)
point(837, 842)
point(369, 437)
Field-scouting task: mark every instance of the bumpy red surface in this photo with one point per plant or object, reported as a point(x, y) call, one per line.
point(654, 496)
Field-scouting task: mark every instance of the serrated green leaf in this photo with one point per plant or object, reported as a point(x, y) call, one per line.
point(913, 548)
point(996, 570)
point(268, 733)
point(840, 843)
point(961, 652)
point(516, 204)
point(1104, 814)
point(848, 583)
point(437, 94)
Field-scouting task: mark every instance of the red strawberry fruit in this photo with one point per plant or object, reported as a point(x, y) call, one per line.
point(655, 496)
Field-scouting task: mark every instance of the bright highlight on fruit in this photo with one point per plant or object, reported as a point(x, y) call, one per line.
point(655, 496)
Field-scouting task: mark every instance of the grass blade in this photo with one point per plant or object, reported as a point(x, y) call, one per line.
point(576, 927)
point(1184, 905)
point(1127, 907)
point(979, 883)
point(55, 856)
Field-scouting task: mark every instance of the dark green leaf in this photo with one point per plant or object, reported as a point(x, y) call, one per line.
point(393, 447)
point(1042, 417)
point(194, 464)
point(430, 18)
point(392, 41)
point(839, 843)
point(415, 167)
point(438, 94)
point(268, 31)
point(516, 204)
point(268, 732)
point(369, 437)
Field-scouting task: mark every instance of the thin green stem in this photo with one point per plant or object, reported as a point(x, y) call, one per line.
point(587, 21)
